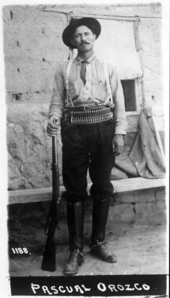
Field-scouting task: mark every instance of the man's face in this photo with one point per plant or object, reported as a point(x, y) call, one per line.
point(83, 39)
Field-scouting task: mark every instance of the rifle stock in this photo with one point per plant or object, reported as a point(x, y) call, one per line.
point(49, 259)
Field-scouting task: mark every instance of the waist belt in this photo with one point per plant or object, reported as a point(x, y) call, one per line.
point(91, 116)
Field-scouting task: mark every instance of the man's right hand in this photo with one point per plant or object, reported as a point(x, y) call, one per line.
point(53, 126)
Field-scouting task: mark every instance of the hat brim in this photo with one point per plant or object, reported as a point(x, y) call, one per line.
point(91, 23)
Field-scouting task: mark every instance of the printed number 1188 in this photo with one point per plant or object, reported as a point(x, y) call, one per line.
point(19, 250)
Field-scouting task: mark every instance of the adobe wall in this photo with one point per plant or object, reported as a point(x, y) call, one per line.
point(32, 49)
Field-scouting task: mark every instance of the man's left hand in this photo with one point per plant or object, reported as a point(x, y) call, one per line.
point(118, 144)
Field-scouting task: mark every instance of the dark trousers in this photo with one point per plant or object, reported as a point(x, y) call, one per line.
point(87, 146)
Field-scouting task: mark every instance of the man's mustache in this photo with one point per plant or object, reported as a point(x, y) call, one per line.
point(84, 43)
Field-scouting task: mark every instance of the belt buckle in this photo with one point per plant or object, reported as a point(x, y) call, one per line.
point(67, 115)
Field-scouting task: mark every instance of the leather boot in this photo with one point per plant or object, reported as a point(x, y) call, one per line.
point(97, 245)
point(75, 220)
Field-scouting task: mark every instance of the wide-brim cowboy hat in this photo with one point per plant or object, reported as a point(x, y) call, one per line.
point(91, 23)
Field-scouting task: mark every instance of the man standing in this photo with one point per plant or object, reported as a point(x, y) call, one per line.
point(88, 103)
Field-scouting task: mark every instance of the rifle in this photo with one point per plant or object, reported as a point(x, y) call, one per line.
point(49, 260)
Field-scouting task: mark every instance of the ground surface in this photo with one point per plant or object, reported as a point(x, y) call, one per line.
point(140, 248)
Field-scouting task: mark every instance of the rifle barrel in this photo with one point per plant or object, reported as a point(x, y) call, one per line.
point(49, 262)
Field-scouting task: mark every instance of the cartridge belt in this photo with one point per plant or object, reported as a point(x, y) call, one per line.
point(88, 116)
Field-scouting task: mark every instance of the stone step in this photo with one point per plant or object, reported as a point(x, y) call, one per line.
point(44, 194)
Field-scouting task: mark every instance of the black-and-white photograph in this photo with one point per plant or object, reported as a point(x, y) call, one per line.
point(86, 149)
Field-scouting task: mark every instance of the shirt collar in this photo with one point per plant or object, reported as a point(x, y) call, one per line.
point(89, 60)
